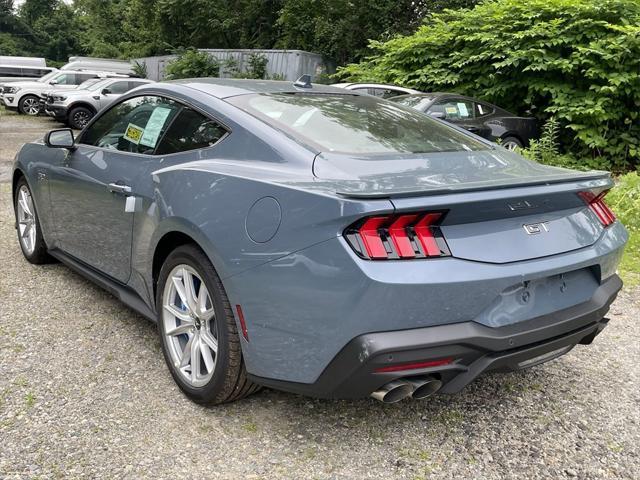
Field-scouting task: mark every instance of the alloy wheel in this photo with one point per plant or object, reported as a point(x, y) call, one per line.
point(189, 325)
point(81, 118)
point(511, 146)
point(27, 225)
point(31, 106)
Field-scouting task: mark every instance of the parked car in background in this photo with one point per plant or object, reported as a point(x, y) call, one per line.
point(380, 90)
point(76, 107)
point(123, 67)
point(25, 96)
point(321, 241)
point(11, 70)
point(476, 116)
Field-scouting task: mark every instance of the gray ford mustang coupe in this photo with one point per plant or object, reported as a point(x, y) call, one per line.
point(319, 241)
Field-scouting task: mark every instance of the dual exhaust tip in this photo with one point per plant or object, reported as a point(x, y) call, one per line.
point(415, 387)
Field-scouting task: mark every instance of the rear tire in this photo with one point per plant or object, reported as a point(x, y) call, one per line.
point(29, 105)
point(511, 143)
point(28, 227)
point(181, 308)
point(79, 117)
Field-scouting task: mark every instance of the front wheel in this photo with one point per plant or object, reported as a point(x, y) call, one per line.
point(29, 105)
point(198, 331)
point(79, 117)
point(30, 236)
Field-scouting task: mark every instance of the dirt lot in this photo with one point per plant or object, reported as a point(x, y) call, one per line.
point(84, 393)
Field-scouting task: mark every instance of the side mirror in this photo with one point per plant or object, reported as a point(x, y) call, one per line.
point(60, 138)
point(53, 82)
point(105, 91)
point(439, 115)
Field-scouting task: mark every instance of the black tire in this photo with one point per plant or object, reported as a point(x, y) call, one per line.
point(511, 142)
point(79, 117)
point(229, 381)
point(23, 108)
point(39, 254)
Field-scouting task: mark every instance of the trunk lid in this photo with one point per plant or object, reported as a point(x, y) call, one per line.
point(500, 207)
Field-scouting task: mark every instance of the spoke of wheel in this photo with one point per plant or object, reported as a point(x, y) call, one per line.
point(180, 314)
point(211, 342)
point(190, 293)
point(203, 297)
point(206, 354)
point(195, 357)
point(32, 237)
point(177, 282)
point(180, 329)
point(25, 203)
point(186, 353)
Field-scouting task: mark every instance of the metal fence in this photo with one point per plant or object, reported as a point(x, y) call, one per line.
point(284, 64)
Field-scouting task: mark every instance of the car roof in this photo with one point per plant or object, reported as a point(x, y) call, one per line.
point(353, 85)
point(231, 87)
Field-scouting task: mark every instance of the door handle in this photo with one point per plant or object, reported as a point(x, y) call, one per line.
point(119, 188)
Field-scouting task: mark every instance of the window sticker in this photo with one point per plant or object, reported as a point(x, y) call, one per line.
point(133, 133)
point(463, 109)
point(451, 110)
point(154, 126)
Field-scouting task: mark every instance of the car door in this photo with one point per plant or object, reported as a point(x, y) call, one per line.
point(93, 189)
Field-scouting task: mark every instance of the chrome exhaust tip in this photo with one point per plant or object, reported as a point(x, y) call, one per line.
point(424, 387)
point(393, 391)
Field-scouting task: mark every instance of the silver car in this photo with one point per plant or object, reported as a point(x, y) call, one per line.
point(76, 107)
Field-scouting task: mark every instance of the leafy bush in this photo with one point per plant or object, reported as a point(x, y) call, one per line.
point(624, 199)
point(576, 60)
point(192, 64)
point(140, 69)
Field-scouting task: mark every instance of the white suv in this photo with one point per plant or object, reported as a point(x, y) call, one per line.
point(25, 96)
point(76, 107)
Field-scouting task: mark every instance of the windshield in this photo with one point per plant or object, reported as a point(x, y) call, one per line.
point(356, 124)
point(47, 76)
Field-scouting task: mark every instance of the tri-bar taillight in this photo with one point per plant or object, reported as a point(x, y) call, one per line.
point(597, 206)
point(399, 236)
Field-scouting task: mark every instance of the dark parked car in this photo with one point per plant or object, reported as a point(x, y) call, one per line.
point(476, 116)
point(319, 240)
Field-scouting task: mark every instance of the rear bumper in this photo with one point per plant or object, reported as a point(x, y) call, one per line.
point(473, 348)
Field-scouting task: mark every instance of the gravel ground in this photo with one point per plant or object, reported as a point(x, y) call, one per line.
point(84, 393)
point(14, 131)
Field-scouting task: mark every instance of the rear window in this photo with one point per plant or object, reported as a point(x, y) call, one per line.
point(355, 124)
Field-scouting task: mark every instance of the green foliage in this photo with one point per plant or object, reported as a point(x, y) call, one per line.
point(256, 67)
point(140, 69)
point(624, 199)
point(576, 60)
point(192, 64)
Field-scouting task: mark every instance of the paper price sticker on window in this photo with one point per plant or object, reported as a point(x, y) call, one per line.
point(154, 126)
point(451, 110)
point(133, 133)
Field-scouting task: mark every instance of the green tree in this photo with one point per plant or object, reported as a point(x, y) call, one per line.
point(192, 64)
point(576, 60)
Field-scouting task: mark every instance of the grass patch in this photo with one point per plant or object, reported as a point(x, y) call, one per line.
point(624, 199)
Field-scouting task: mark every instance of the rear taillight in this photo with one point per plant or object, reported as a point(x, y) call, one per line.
point(597, 206)
point(398, 237)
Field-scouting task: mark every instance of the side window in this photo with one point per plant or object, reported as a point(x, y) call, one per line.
point(483, 110)
point(66, 79)
point(118, 87)
point(190, 131)
point(134, 125)
point(82, 77)
point(454, 109)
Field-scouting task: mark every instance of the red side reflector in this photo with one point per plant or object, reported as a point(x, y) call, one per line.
point(425, 235)
point(398, 234)
point(243, 324)
point(597, 206)
point(413, 366)
point(371, 238)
